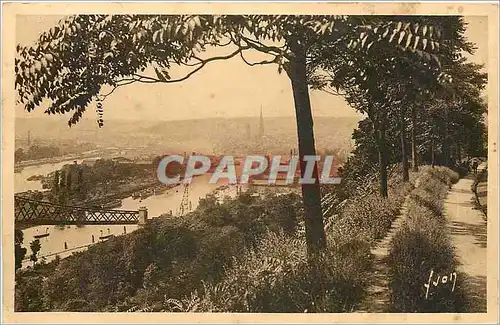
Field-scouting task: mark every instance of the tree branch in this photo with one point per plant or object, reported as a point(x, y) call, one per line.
point(331, 91)
point(148, 79)
point(265, 48)
point(258, 63)
point(104, 96)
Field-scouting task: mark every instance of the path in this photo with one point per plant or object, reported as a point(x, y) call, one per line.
point(377, 294)
point(468, 235)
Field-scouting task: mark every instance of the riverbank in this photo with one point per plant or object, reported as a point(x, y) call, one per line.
point(55, 160)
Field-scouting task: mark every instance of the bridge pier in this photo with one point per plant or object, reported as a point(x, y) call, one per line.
point(143, 216)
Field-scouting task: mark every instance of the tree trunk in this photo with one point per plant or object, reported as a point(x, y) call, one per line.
point(315, 233)
point(414, 154)
point(446, 151)
point(382, 158)
point(446, 142)
point(404, 151)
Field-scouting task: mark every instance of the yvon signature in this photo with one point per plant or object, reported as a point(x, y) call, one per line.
point(446, 280)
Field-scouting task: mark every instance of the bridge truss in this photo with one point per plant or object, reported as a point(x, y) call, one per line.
point(30, 212)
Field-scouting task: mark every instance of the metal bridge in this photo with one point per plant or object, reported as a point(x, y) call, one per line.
point(30, 212)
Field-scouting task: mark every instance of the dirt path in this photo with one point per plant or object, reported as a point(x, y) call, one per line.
point(377, 294)
point(468, 235)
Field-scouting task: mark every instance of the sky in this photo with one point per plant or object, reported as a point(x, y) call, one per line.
point(221, 89)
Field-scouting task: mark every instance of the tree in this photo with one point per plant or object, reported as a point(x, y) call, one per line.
point(35, 248)
point(375, 84)
point(19, 155)
point(76, 59)
point(19, 251)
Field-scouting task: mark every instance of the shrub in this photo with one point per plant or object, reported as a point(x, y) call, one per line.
point(422, 245)
point(277, 278)
point(369, 218)
point(168, 256)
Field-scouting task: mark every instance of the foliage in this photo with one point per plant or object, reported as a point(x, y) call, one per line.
point(19, 251)
point(80, 182)
point(36, 152)
point(72, 61)
point(421, 245)
point(168, 256)
point(480, 199)
point(389, 85)
point(35, 248)
point(276, 277)
point(366, 216)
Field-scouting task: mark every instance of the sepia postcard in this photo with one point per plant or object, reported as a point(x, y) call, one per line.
point(249, 162)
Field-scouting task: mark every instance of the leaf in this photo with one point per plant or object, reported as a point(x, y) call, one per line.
point(417, 38)
point(156, 36)
point(398, 28)
point(401, 36)
point(177, 29)
point(364, 41)
point(384, 35)
point(191, 25)
point(424, 43)
point(408, 40)
point(165, 73)
point(330, 27)
point(160, 75)
point(323, 28)
point(394, 32)
point(197, 21)
point(162, 36)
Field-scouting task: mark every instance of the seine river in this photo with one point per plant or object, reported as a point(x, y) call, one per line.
point(66, 240)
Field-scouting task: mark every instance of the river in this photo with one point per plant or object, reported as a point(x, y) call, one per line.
point(63, 241)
